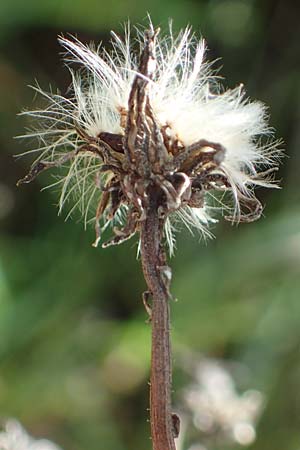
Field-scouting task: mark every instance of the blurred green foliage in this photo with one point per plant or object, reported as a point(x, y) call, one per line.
point(74, 346)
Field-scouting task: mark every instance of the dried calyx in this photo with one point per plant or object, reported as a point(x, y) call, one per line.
point(137, 143)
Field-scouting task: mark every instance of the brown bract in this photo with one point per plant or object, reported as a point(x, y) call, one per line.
point(147, 157)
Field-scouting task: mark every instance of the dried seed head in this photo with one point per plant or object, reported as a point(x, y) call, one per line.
point(156, 120)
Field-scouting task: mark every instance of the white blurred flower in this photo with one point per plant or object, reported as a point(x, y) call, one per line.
point(197, 447)
point(207, 139)
point(217, 407)
point(14, 437)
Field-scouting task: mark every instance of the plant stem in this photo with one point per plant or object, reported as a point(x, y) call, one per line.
point(152, 256)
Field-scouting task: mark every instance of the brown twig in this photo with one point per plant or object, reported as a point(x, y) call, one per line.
point(162, 429)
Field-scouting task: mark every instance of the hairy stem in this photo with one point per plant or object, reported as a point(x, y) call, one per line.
point(162, 429)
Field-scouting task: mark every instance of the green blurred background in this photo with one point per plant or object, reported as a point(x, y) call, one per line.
point(74, 346)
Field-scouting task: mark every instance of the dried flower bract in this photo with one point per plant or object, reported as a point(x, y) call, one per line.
point(155, 119)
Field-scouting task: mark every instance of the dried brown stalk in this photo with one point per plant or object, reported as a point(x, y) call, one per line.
point(157, 276)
